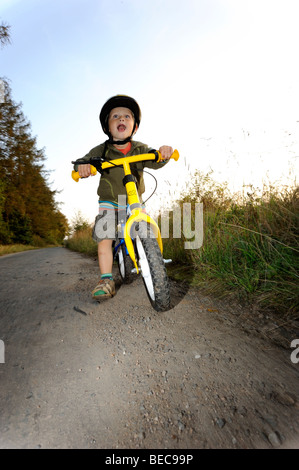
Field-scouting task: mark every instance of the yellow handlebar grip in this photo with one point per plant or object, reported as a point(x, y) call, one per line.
point(175, 155)
point(93, 170)
point(76, 176)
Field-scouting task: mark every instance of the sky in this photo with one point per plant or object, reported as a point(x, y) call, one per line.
point(216, 79)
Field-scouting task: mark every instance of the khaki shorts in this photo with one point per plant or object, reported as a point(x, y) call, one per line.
point(107, 222)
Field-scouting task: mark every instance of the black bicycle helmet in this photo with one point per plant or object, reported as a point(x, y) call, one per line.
point(119, 101)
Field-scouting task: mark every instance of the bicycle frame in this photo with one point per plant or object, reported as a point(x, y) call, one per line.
point(133, 199)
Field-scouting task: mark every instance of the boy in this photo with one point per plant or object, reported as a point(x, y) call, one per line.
point(120, 118)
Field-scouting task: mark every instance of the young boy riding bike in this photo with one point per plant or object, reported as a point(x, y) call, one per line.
point(120, 118)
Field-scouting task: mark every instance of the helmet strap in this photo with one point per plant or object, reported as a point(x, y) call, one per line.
point(119, 142)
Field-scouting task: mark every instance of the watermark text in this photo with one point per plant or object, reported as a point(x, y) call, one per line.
point(184, 221)
point(2, 351)
point(295, 353)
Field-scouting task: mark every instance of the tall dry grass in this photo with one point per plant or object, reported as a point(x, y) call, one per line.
point(81, 241)
point(250, 244)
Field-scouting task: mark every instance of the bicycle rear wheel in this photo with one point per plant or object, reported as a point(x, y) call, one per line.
point(151, 264)
point(125, 265)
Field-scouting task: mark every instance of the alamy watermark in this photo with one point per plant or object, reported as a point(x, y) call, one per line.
point(2, 350)
point(185, 221)
point(2, 91)
point(295, 353)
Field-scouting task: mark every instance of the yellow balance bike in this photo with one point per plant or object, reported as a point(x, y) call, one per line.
point(140, 248)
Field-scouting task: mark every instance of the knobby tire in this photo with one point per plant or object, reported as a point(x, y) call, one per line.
point(146, 244)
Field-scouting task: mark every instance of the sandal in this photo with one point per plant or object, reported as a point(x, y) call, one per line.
point(104, 289)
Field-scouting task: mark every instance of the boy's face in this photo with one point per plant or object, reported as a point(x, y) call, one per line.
point(121, 123)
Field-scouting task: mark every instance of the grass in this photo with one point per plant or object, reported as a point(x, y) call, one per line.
point(82, 242)
point(8, 249)
point(18, 247)
point(250, 244)
point(250, 248)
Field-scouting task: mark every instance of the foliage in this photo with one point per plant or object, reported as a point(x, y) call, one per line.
point(81, 241)
point(79, 223)
point(20, 228)
point(27, 204)
point(9, 249)
point(250, 248)
point(4, 34)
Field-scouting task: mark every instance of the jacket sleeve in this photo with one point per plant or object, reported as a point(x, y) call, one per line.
point(155, 165)
point(151, 163)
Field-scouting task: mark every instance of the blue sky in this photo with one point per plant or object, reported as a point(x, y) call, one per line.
point(217, 79)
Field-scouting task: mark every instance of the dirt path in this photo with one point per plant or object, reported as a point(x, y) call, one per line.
point(78, 374)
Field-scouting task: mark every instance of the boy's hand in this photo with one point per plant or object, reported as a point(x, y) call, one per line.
point(166, 152)
point(84, 170)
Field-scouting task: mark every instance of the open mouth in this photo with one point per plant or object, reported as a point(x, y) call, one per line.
point(121, 128)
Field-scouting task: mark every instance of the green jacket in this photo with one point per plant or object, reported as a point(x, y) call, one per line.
point(111, 181)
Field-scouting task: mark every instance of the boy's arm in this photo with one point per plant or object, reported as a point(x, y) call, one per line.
point(84, 169)
point(166, 152)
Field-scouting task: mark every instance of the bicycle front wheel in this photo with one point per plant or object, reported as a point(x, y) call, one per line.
point(152, 268)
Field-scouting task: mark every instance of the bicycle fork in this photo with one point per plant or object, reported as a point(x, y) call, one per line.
point(137, 215)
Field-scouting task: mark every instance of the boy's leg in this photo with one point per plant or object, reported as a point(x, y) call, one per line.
point(105, 256)
point(106, 286)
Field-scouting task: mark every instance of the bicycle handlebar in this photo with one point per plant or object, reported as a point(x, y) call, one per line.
point(100, 164)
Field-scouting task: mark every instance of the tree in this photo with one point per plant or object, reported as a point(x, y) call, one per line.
point(4, 231)
point(28, 205)
point(4, 34)
point(79, 223)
